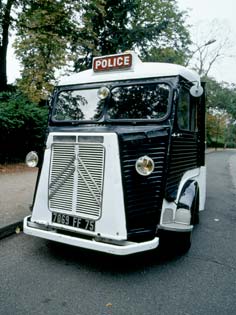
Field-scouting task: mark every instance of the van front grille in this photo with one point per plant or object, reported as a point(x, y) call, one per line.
point(76, 178)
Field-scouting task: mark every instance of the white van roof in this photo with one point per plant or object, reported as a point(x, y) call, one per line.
point(138, 70)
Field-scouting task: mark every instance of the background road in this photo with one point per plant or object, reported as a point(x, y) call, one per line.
point(38, 277)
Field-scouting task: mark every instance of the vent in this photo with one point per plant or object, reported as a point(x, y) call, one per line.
point(90, 179)
point(183, 157)
point(76, 178)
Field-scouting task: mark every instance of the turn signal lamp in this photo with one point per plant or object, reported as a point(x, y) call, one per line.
point(144, 165)
point(32, 159)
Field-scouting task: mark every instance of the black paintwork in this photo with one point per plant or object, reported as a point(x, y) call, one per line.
point(143, 194)
point(183, 156)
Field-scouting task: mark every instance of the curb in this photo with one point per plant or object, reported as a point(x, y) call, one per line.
point(11, 229)
point(207, 151)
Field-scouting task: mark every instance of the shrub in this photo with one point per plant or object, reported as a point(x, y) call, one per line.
point(22, 126)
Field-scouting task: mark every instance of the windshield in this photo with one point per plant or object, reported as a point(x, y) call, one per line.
point(141, 101)
point(78, 105)
point(129, 102)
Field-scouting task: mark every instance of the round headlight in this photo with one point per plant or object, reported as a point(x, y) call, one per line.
point(32, 159)
point(144, 165)
point(103, 92)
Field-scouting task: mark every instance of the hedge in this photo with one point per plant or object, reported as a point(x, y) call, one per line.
point(22, 126)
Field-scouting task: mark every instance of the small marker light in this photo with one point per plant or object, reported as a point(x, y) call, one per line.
point(103, 92)
point(32, 159)
point(144, 165)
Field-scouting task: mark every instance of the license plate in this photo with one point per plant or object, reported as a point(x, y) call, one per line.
point(73, 221)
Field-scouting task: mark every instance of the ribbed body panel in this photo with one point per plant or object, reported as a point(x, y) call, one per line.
point(143, 194)
point(90, 179)
point(183, 157)
point(76, 178)
point(62, 177)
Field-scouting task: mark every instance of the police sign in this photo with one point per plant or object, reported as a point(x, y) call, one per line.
point(112, 62)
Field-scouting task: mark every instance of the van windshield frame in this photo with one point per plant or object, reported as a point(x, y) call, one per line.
point(102, 108)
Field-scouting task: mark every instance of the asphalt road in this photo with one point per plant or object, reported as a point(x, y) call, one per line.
point(37, 277)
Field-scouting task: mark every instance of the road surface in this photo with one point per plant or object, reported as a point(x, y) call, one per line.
point(37, 277)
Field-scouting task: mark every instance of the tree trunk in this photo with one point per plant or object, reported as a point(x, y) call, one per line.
point(6, 22)
point(3, 68)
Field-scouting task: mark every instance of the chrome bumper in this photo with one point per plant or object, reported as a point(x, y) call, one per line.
point(125, 248)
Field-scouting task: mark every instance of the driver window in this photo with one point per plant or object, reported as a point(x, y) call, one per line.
point(187, 111)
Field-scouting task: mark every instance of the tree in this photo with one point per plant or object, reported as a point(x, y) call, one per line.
point(167, 36)
point(51, 34)
point(221, 96)
point(230, 135)
point(208, 47)
point(216, 127)
point(155, 28)
point(221, 113)
point(6, 21)
point(43, 33)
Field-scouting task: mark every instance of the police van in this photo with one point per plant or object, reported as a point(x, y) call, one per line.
point(124, 157)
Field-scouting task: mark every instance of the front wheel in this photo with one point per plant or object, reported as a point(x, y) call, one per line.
point(175, 243)
point(183, 241)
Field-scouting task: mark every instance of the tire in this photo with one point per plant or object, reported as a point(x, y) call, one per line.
point(183, 242)
point(174, 243)
point(179, 243)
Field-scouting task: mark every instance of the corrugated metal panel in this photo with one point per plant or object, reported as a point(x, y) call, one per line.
point(183, 157)
point(143, 195)
point(90, 179)
point(62, 177)
point(76, 178)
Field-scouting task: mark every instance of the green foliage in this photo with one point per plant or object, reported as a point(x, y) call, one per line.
point(52, 34)
point(169, 55)
point(22, 126)
point(221, 113)
point(221, 95)
point(166, 31)
point(230, 136)
point(43, 32)
point(155, 28)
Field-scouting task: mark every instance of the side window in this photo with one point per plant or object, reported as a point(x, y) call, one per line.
point(187, 111)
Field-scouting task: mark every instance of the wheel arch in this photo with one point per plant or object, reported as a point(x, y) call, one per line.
point(189, 199)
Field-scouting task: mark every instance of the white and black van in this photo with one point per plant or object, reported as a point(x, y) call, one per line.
point(124, 157)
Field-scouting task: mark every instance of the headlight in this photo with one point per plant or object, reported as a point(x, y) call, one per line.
point(144, 165)
point(103, 92)
point(32, 159)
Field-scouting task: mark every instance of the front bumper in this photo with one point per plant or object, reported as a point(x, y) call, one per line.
point(124, 248)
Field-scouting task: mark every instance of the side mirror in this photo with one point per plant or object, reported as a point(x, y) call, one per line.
point(196, 90)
